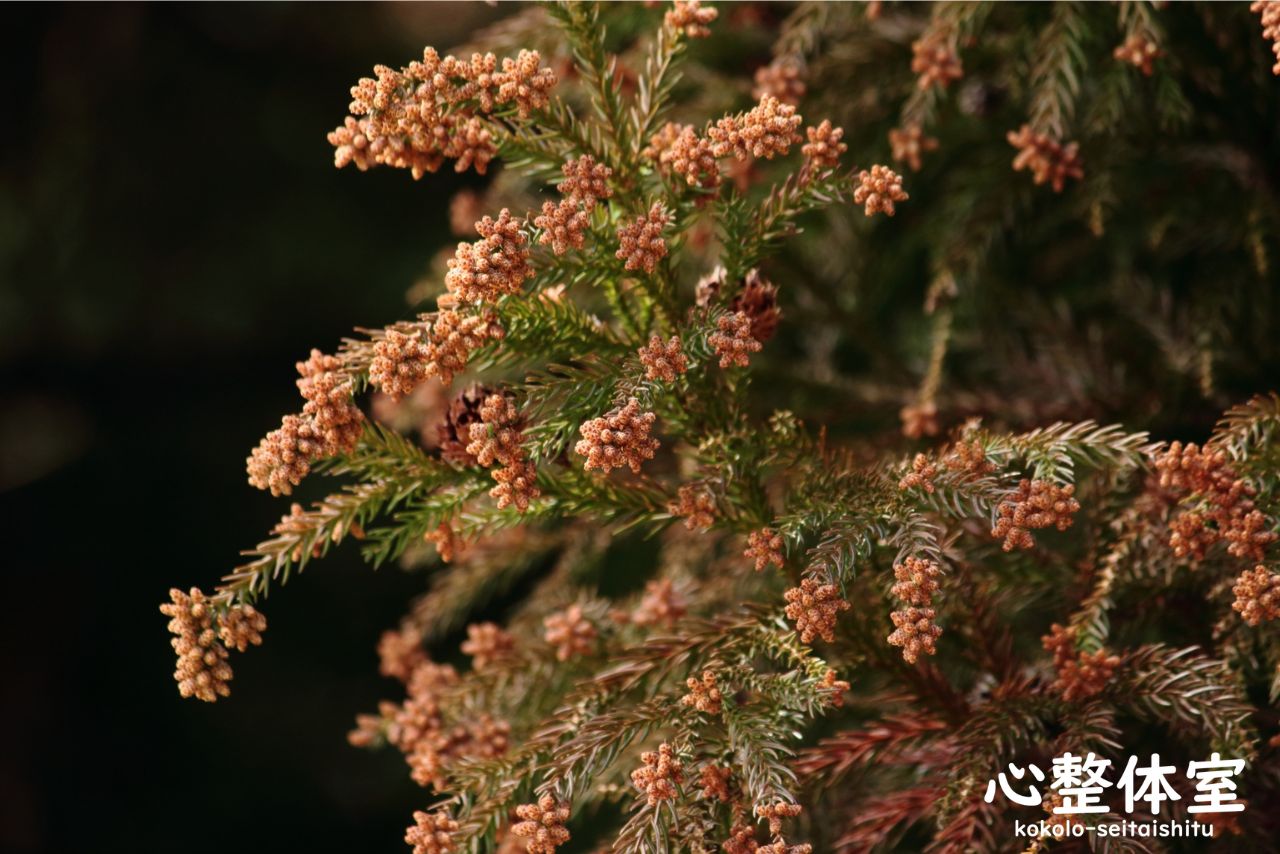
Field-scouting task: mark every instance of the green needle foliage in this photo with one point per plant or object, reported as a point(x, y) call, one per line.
point(795, 468)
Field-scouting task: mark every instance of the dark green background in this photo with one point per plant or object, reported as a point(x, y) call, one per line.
point(173, 237)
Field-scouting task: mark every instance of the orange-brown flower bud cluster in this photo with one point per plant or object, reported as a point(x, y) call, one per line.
point(432, 833)
point(733, 340)
point(1050, 161)
point(202, 671)
point(1080, 674)
point(487, 644)
point(919, 419)
point(691, 18)
point(495, 265)
point(695, 504)
point(242, 626)
point(765, 131)
point(704, 695)
point(564, 224)
point(1226, 502)
point(620, 438)
point(714, 782)
point(498, 439)
point(914, 627)
point(934, 58)
point(662, 604)
point(417, 117)
point(660, 775)
point(1036, 504)
point(813, 607)
point(663, 361)
point(782, 79)
point(878, 190)
point(284, 457)
point(541, 825)
point(909, 143)
point(1140, 51)
point(570, 632)
point(968, 458)
point(764, 547)
point(400, 653)
point(824, 148)
point(1257, 593)
point(640, 242)
point(921, 475)
point(776, 813)
point(1269, 10)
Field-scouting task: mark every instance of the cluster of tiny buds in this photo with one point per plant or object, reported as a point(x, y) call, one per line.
point(813, 607)
point(1269, 10)
point(447, 543)
point(1036, 504)
point(919, 419)
point(1257, 593)
point(733, 340)
point(782, 79)
point(909, 143)
point(202, 670)
point(241, 626)
point(704, 695)
point(570, 632)
point(834, 688)
point(564, 225)
point(695, 504)
point(1049, 160)
point(1140, 51)
point(495, 265)
point(487, 644)
point(498, 439)
point(419, 116)
point(764, 547)
point(663, 361)
point(1228, 503)
point(714, 781)
point(934, 58)
point(400, 362)
point(776, 813)
point(765, 131)
point(921, 475)
point(1080, 674)
point(662, 604)
point(620, 438)
point(824, 148)
point(680, 149)
point(284, 456)
point(432, 833)
point(691, 18)
point(640, 242)
point(659, 776)
point(914, 627)
point(400, 653)
point(541, 825)
point(878, 190)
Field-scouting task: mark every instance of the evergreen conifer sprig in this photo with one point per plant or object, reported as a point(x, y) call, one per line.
point(763, 496)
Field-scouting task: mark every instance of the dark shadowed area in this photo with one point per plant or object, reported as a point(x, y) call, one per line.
point(173, 236)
